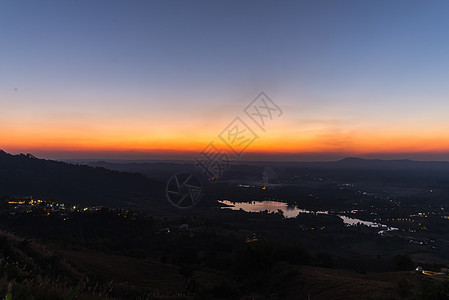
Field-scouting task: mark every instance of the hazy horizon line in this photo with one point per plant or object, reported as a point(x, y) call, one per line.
point(176, 155)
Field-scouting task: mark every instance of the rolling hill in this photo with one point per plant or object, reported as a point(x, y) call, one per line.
point(26, 175)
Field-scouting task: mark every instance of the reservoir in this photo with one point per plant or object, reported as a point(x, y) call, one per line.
point(293, 211)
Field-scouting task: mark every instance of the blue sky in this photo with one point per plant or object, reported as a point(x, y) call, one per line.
point(368, 64)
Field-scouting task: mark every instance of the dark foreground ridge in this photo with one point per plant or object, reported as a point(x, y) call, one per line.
point(25, 174)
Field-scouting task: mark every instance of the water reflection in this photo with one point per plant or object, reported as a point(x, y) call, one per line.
point(293, 211)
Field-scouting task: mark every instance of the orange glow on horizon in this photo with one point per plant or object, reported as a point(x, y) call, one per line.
point(359, 143)
point(185, 136)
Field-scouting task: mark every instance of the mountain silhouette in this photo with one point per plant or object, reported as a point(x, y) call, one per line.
point(394, 164)
point(26, 175)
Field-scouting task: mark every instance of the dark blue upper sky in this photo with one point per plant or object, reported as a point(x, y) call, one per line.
point(135, 41)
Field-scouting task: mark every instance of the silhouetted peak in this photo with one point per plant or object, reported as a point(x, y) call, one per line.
point(24, 174)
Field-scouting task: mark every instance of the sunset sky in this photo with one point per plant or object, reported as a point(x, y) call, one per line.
point(162, 79)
